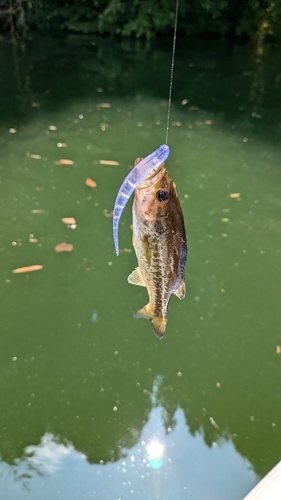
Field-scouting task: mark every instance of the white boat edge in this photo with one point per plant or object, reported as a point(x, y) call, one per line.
point(269, 488)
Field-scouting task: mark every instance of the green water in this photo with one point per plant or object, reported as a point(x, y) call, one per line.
point(85, 386)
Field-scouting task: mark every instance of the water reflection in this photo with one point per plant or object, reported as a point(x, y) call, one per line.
point(47, 457)
point(164, 463)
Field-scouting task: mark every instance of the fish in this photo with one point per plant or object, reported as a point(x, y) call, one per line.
point(159, 240)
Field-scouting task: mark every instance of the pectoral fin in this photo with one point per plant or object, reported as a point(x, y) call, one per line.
point(135, 278)
point(180, 291)
point(146, 250)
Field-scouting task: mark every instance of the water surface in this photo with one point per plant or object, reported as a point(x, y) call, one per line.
point(85, 386)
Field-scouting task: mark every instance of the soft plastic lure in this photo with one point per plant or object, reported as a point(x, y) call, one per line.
point(137, 174)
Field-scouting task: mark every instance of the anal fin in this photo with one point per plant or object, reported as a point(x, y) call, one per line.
point(145, 312)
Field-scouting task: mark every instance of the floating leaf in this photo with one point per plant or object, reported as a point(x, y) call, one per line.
point(89, 182)
point(27, 269)
point(108, 214)
point(109, 162)
point(35, 157)
point(104, 105)
point(64, 247)
point(64, 161)
point(68, 220)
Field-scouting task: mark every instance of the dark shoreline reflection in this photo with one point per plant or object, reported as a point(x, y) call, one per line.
point(240, 83)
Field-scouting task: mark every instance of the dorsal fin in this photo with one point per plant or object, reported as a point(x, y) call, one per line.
point(180, 291)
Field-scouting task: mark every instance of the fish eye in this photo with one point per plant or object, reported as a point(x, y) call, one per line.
point(162, 195)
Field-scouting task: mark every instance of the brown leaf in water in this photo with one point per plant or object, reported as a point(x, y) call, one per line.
point(27, 269)
point(35, 157)
point(89, 182)
point(64, 247)
point(68, 220)
point(106, 213)
point(104, 105)
point(109, 162)
point(64, 161)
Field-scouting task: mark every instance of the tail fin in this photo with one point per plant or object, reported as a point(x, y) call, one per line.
point(159, 326)
point(158, 323)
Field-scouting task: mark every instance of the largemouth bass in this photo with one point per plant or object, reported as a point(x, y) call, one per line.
point(158, 237)
point(160, 245)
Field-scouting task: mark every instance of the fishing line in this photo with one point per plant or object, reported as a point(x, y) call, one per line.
point(172, 71)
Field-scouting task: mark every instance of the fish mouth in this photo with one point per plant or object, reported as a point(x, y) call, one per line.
point(151, 178)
